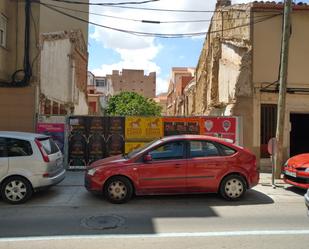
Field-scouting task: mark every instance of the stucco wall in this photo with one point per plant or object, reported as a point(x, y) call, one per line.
point(17, 112)
point(56, 70)
point(266, 50)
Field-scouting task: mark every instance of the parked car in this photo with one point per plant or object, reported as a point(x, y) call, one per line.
point(296, 171)
point(174, 165)
point(307, 200)
point(28, 162)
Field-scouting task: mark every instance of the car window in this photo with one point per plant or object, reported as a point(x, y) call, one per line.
point(203, 149)
point(18, 147)
point(172, 150)
point(49, 146)
point(227, 150)
point(2, 147)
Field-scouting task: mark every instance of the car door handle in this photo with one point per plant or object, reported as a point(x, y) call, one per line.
point(177, 165)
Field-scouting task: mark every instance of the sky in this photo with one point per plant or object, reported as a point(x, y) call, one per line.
point(112, 50)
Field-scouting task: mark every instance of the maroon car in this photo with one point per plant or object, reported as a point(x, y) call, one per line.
point(175, 165)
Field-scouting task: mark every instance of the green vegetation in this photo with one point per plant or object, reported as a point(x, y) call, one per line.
point(132, 104)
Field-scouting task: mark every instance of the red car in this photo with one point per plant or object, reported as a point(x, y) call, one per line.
point(175, 165)
point(296, 171)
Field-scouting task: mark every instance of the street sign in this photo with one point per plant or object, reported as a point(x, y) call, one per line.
point(272, 146)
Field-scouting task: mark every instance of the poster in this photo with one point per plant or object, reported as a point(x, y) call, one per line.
point(55, 131)
point(97, 125)
point(153, 128)
point(79, 125)
point(181, 125)
point(115, 125)
point(115, 145)
point(130, 146)
point(223, 127)
point(134, 128)
point(96, 148)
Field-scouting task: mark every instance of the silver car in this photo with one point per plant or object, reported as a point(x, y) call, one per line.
point(28, 162)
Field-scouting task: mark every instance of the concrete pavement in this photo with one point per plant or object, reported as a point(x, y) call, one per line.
point(277, 216)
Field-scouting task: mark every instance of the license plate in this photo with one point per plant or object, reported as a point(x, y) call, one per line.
point(288, 173)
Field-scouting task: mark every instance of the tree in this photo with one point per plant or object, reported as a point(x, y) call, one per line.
point(132, 104)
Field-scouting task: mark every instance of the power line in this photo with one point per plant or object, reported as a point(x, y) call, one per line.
point(149, 21)
point(138, 33)
point(104, 4)
point(119, 5)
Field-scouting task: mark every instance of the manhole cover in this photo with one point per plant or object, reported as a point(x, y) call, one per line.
point(103, 222)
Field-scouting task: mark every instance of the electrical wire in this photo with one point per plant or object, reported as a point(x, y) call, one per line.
point(27, 70)
point(105, 4)
point(148, 21)
point(119, 5)
point(138, 33)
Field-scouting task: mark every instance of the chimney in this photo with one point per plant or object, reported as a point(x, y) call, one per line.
point(223, 3)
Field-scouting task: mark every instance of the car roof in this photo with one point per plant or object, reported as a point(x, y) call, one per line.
point(192, 137)
point(21, 135)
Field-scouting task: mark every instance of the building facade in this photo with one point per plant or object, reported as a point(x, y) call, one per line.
point(237, 73)
point(131, 80)
point(179, 79)
point(161, 99)
point(100, 89)
point(63, 74)
point(20, 84)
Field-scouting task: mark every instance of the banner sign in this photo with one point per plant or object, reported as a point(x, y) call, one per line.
point(177, 125)
point(223, 127)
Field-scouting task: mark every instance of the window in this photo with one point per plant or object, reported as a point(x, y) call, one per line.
point(2, 148)
point(101, 82)
point(18, 147)
point(3, 24)
point(49, 146)
point(227, 151)
point(203, 149)
point(173, 150)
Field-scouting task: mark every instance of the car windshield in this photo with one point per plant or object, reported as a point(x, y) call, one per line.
point(145, 146)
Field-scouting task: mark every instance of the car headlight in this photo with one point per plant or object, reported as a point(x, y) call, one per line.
point(91, 172)
point(286, 163)
point(307, 170)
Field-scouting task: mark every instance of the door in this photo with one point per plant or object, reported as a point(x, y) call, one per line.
point(4, 161)
point(299, 135)
point(166, 172)
point(205, 166)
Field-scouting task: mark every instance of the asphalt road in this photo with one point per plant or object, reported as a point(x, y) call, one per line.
point(71, 217)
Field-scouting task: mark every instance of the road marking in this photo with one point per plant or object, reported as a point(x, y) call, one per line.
point(163, 235)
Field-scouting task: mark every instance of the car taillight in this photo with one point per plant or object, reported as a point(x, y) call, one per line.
point(44, 154)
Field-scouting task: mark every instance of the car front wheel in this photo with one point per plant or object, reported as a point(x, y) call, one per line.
point(16, 190)
point(118, 190)
point(233, 187)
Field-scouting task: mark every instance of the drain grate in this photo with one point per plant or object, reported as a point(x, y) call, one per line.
point(103, 222)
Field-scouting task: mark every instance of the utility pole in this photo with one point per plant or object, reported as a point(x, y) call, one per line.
point(283, 86)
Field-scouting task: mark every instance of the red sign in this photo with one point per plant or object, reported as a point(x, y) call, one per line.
point(223, 127)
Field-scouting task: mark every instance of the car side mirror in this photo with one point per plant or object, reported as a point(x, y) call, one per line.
point(147, 158)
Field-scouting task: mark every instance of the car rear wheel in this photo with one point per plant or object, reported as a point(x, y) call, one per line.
point(16, 190)
point(118, 190)
point(233, 187)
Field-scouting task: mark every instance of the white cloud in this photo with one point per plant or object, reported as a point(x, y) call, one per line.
point(162, 85)
point(138, 52)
